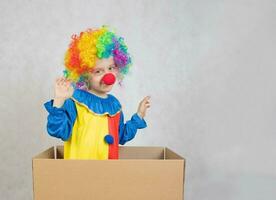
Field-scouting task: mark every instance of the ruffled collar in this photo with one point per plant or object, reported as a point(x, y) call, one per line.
point(98, 105)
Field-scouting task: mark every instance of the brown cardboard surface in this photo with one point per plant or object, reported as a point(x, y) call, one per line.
point(154, 173)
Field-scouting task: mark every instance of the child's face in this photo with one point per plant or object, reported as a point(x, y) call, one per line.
point(102, 67)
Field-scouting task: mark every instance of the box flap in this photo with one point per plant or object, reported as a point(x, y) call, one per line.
point(48, 153)
point(169, 154)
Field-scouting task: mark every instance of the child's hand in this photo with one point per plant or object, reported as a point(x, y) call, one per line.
point(144, 104)
point(63, 91)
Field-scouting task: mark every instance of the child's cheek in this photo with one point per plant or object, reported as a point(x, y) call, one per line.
point(95, 79)
point(115, 73)
point(98, 80)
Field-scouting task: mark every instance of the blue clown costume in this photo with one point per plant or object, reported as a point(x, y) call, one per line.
point(91, 127)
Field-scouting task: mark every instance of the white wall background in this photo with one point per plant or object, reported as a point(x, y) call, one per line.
point(208, 65)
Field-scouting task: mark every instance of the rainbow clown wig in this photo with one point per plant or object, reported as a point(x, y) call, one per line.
point(89, 45)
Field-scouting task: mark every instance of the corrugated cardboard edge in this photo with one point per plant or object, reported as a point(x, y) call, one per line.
point(168, 152)
point(48, 153)
point(33, 178)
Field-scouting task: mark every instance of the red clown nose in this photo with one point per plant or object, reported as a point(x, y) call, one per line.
point(108, 79)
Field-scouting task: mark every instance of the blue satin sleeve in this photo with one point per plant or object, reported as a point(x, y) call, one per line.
point(60, 121)
point(127, 131)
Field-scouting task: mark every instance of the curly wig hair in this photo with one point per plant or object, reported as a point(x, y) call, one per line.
point(85, 48)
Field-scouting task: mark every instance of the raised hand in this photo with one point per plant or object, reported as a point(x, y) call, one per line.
point(143, 105)
point(63, 91)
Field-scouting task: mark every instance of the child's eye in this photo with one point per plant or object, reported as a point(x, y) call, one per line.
point(97, 72)
point(112, 68)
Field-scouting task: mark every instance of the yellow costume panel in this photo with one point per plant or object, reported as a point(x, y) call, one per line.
point(87, 138)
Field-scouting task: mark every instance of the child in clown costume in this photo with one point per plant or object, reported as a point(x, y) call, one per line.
point(82, 113)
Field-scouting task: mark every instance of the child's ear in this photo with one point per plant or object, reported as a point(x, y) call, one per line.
point(87, 80)
point(88, 84)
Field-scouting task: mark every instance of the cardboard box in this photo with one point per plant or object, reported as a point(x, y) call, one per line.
point(140, 173)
